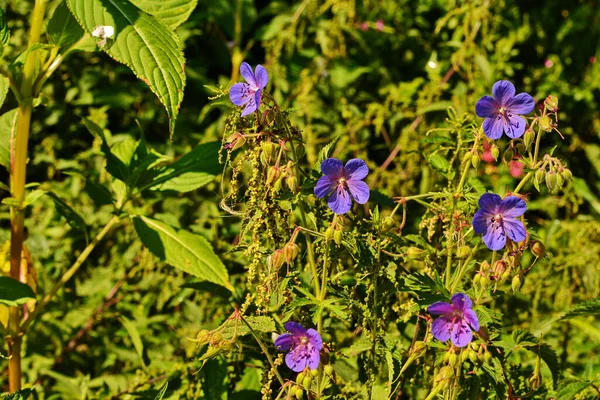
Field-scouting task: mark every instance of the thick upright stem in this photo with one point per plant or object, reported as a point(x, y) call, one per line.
point(17, 180)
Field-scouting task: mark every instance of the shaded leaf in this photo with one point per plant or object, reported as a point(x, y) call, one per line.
point(171, 12)
point(590, 307)
point(14, 293)
point(189, 252)
point(73, 218)
point(162, 391)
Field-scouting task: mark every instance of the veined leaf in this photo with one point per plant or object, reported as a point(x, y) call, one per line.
point(152, 50)
point(192, 171)
point(73, 218)
point(590, 307)
point(162, 391)
point(184, 250)
point(63, 29)
point(4, 86)
point(14, 293)
point(7, 122)
point(171, 12)
point(4, 32)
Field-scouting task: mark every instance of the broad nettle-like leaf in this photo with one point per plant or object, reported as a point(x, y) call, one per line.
point(64, 31)
point(151, 49)
point(186, 251)
point(4, 32)
point(192, 171)
point(14, 293)
point(7, 123)
point(171, 12)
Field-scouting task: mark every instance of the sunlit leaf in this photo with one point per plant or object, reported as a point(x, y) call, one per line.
point(171, 12)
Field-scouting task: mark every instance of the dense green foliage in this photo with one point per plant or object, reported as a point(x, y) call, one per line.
point(210, 250)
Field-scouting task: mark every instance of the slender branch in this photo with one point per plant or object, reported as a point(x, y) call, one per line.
point(70, 272)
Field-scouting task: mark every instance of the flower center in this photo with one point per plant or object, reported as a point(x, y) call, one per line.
point(342, 182)
point(303, 340)
point(502, 110)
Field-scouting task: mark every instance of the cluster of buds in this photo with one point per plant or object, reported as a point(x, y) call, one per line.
point(304, 380)
point(553, 173)
point(334, 232)
point(277, 175)
point(287, 254)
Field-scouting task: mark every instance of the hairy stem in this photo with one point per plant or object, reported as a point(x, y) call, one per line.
point(17, 182)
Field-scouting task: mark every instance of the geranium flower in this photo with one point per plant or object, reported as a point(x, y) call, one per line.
point(249, 93)
point(503, 112)
point(496, 219)
point(344, 183)
point(457, 320)
point(303, 345)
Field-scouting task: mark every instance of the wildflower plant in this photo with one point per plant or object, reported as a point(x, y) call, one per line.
point(240, 266)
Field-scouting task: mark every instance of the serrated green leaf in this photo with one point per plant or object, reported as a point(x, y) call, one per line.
point(171, 12)
point(63, 30)
point(7, 123)
point(162, 391)
point(192, 171)
point(4, 86)
point(4, 32)
point(590, 307)
point(570, 390)
point(14, 293)
point(152, 50)
point(235, 327)
point(184, 250)
point(325, 153)
point(73, 218)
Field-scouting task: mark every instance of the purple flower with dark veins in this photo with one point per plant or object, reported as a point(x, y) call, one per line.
point(456, 322)
point(304, 346)
point(503, 112)
point(344, 183)
point(249, 93)
point(496, 219)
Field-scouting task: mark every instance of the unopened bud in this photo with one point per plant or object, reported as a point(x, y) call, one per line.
point(474, 346)
point(495, 152)
point(277, 259)
point(235, 141)
point(314, 372)
point(300, 377)
point(463, 251)
point(277, 186)
point(268, 116)
point(551, 103)
point(272, 174)
point(505, 275)
point(560, 180)
point(487, 356)
point(329, 234)
point(414, 253)
point(418, 347)
point(464, 355)
point(307, 381)
point(445, 374)
point(551, 180)
point(484, 281)
point(499, 267)
point(453, 359)
point(539, 175)
point(476, 279)
point(337, 237)
point(475, 160)
point(203, 336)
point(528, 138)
point(538, 249)
point(546, 123)
point(291, 251)
point(467, 157)
point(472, 356)
point(567, 174)
point(516, 284)
point(269, 151)
point(292, 183)
point(298, 392)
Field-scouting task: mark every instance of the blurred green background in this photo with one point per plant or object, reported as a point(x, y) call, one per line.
point(380, 74)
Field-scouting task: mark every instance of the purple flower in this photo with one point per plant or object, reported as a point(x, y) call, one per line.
point(344, 183)
point(242, 93)
point(457, 320)
point(303, 346)
point(501, 112)
point(496, 219)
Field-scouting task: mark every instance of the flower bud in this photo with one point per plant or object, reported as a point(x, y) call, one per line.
point(387, 223)
point(445, 374)
point(516, 284)
point(472, 356)
point(298, 392)
point(546, 123)
point(419, 348)
point(414, 253)
point(268, 116)
point(495, 152)
point(505, 275)
point(277, 186)
point(453, 359)
point(203, 336)
point(528, 138)
point(476, 279)
point(300, 377)
point(467, 157)
point(508, 155)
point(269, 150)
point(484, 281)
point(499, 267)
point(560, 180)
point(487, 356)
point(566, 174)
point(292, 183)
point(551, 103)
point(337, 237)
point(272, 174)
point(535, 381)
point(474, 346)
point(235, 141)
point(551, 180)
point(475, 160)
point(538, 249)
point(307, 381)
point(463, 251)
point(314, 372)
point(539, 175)
point(329, 234)
point(277, 259)
point(291, 251)
point(464, 355)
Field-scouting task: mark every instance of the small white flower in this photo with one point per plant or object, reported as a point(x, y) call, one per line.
point(103, 32)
